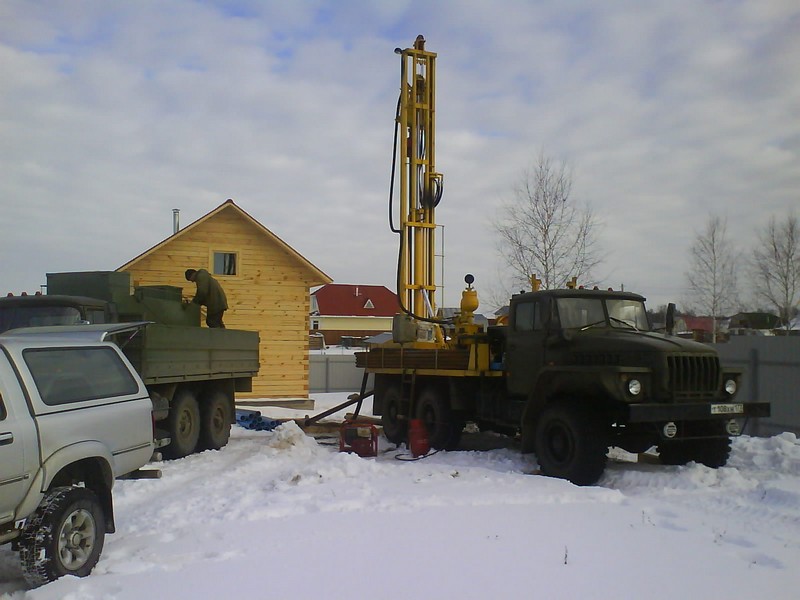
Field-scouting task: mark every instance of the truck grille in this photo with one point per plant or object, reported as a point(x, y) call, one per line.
point(693, 376)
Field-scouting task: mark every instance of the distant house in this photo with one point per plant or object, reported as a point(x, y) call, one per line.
point(266, 281)
point(344, 312)
point(700, 328)
point(755, 320)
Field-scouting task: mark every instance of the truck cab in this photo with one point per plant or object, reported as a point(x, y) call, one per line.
point(586, 365)
point(42, 311)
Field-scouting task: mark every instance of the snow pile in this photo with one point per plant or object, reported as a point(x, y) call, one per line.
point(281, 514)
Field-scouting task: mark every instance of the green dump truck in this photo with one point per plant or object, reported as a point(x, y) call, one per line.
point(191, 372)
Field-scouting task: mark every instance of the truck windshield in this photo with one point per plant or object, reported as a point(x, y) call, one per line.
point(627, 313)
point(576, 313)
point(38, 316)
point(583, 313)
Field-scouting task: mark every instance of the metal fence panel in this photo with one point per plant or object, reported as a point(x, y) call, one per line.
point(333, 373)
point(772, 373)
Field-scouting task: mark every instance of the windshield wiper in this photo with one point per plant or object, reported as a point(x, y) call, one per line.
point(626, 323)
point(601, 322)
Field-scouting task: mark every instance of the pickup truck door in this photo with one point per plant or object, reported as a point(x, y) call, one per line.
point(525, 347)
point(18, 446)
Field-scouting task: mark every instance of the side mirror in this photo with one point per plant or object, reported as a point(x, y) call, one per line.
point(670, 318)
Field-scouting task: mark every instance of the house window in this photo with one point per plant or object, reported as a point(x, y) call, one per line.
point(369, 304)
point(314, 324)
point(225, 263)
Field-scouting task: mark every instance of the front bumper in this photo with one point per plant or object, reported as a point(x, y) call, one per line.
point(694, 411)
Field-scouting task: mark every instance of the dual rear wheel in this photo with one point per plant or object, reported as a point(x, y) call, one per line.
point(193, 425)
point(432, 406)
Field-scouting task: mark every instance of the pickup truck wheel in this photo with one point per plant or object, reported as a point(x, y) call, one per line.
point(571, 443)
point(63, 537)
point(394, 423)
point(183, 425)
point(215, 421)
point(444, 432)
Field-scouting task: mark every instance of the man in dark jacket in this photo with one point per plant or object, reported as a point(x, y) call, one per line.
point(209, 294)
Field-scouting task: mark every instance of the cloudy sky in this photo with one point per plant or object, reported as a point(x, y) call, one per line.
point(114, 113)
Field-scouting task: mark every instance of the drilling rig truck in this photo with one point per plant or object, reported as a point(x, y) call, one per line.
point(572, 372)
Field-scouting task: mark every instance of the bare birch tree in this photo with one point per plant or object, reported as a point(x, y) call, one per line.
point(712, 271)
point(776, 266)
point(541, 231)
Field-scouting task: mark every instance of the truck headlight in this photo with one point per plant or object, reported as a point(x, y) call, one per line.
point(634, 387)
point(730, 386)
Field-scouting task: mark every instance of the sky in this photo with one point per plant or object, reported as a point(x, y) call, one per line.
point(112, 114)
point(279, 514)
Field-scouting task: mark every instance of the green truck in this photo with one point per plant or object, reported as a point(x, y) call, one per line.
point(192, 373)
point(573, 372)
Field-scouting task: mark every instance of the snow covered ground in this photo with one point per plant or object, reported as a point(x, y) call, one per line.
point(284, 515)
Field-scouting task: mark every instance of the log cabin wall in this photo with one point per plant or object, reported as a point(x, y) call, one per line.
point(268, 289)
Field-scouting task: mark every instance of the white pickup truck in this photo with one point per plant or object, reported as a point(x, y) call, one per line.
point(74, 416)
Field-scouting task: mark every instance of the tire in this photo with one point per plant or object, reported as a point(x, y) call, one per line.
point(183, 425)
point(674, 453)
point(712, 452)
point(215, 421)
point(433, 408)
point(393, 421)
point(571, 443)
point(63, 537)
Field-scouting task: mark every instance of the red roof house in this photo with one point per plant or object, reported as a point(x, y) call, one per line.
point(343, 312)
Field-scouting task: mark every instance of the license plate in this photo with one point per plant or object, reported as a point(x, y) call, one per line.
point(727, 409)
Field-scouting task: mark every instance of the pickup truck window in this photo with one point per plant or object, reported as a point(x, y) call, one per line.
point(2, 409)
point(65, 375)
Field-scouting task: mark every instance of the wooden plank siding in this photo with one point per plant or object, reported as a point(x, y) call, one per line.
point(270, 292)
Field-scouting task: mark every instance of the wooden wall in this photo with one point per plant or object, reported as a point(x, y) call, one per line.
point(269, 293)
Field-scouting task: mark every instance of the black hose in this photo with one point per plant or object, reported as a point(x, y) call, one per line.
point(394, 164)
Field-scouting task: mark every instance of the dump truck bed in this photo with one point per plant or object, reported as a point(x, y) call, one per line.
point(171, 353)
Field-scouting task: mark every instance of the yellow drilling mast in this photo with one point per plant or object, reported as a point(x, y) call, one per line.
point(420, 184)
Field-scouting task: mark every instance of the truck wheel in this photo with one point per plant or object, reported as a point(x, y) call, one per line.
point(183, 425)
point(713, 452)
point(394, 423)
point(63, 537)
point(443, 430)
point(571, 443)
point(674, 453)
point(215, 421)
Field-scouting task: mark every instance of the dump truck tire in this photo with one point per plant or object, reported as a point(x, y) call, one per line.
point(183, 425)
point(215, 421)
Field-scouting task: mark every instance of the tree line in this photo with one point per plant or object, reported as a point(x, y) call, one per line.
point(541, 230)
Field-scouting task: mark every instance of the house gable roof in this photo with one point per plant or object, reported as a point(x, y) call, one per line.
point(317, 276)
point(347, 300)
